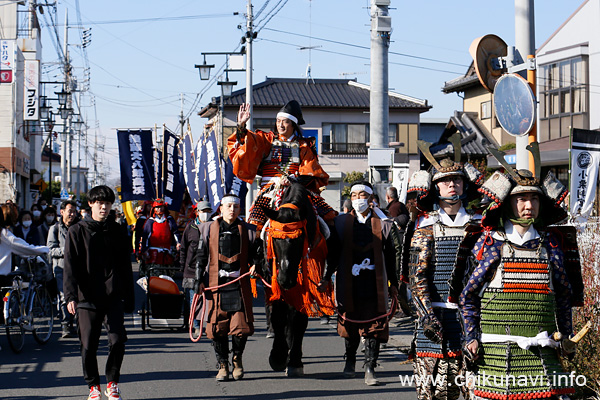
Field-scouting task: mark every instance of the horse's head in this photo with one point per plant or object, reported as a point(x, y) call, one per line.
point(290, 227)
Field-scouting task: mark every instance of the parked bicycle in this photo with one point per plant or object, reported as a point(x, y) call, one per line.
point(28, 305)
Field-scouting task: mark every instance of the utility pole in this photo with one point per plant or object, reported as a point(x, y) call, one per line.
point(381, 26)
point(181, 120)
point(64, 154)
point(250, 35)
point(525, 45)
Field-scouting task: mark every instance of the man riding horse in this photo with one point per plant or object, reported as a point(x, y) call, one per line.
point(281, 158)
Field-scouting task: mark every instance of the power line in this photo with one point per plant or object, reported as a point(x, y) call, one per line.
point(270, 17)
point(366, 58)
point(368, 48)
point(159, 19)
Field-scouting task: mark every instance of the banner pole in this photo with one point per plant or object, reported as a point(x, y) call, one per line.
point(156, 158)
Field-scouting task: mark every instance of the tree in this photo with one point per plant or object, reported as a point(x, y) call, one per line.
point(350, 178)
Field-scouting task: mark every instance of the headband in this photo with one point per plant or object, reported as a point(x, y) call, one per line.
point(282, 114)
point(230, 199)
point(361, 188)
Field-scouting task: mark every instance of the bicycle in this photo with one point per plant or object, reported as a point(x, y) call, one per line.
point(28, 306)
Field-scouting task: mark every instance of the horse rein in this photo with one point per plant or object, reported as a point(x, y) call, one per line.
point(195, 304)
point(387, 315)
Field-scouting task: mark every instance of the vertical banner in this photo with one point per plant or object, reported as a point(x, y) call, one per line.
point(189, 167)
point(173, 187)
point(7, 60)
point(585, 159)
point(214, 180)
point(136, 162)
point(31, 90)
point(235, 185)
point(200, 177)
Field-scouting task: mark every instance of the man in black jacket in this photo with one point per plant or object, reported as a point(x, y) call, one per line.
point(98, 286)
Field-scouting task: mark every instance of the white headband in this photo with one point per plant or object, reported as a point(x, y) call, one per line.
point(361, 188)
point(230, 199)
point(282, 114)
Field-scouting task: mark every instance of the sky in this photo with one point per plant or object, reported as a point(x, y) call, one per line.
point(142, 52)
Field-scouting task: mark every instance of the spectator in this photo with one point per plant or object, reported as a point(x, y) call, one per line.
point(98, 286)
point(395, 208)
point(43, 204)
point(347, 207)
point(84, 213)
point(48, 219)
point(143, 213)
point(36, 212)
point(11, 244)
point(188, 253)
point(26, 230)
point(56, 242)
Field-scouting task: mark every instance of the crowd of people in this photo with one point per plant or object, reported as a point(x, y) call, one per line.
point(472, 260)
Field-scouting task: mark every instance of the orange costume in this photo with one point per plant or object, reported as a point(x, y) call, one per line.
point(265, 154)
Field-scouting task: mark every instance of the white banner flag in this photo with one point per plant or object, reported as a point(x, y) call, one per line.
point(585, 160)
point(31, 91)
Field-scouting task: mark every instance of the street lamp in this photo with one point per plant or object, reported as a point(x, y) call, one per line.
point(62, 97)
point(65, 111)
point(226, 85)
point(204, 70)
point(44, 109)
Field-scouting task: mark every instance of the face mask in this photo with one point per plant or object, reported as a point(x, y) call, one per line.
point(44, 207)
point(26, 224)
point(203, 217)
point(160, 219)
point(37, 213)
point(83, 215)
point(50, 219)
point(360, 205)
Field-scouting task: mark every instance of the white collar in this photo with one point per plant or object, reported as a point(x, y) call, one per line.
point(461, 218)
point(361, 218)
point(514, 237)
point(380, 213)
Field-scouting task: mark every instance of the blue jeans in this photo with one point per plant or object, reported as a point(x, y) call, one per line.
point(189, 298)
point(66, 318)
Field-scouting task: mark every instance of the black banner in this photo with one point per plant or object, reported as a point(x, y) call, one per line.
point(136, 161)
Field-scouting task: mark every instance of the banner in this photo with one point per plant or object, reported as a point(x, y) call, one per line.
point(585, 159)
point(31, 90)
point(129, 213)
point(212, 167)
point(200, 177)
point(136, 162)
point(173, 185)
point(7, 60)
point(235, 185)
point(189, 167)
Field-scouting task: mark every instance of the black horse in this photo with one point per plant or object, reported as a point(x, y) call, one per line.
point(289, 324)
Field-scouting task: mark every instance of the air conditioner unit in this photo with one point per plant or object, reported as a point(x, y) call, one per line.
point(381, 3)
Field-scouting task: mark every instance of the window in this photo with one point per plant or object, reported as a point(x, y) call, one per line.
point(486, 110)
point(263, 124)
point(345, 138)
point(562, 97)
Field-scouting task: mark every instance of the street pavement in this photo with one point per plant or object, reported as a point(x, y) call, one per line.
point(165, 364)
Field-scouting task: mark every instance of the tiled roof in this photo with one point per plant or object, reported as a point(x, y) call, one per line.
point(322, 93)
point(475, 138)
point(461, 83)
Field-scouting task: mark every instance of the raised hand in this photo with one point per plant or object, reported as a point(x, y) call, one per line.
point(243, 114)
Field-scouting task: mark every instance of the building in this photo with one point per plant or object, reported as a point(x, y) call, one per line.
point(20, 131)
point(336, 112)
point(566, 78)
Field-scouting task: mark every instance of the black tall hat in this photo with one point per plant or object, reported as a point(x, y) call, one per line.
point(292, 111)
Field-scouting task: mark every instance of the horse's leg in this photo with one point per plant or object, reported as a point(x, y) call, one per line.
point(296, 330)
point(279, 352)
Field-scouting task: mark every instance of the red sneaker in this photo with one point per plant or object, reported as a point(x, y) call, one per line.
point(112, 391)
point(95, 393)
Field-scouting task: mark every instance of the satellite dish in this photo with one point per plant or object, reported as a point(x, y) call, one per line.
point(485, 52)
point(514, 104)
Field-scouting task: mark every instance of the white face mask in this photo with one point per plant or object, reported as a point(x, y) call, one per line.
point(44, 206)
point(26, 224)
point(203, 217)
point(160, 219)
point(50, 219)
point(83, 215)
point(360, 205)
point(37, 213)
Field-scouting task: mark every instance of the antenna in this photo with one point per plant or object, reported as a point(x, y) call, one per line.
point(309, 48)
